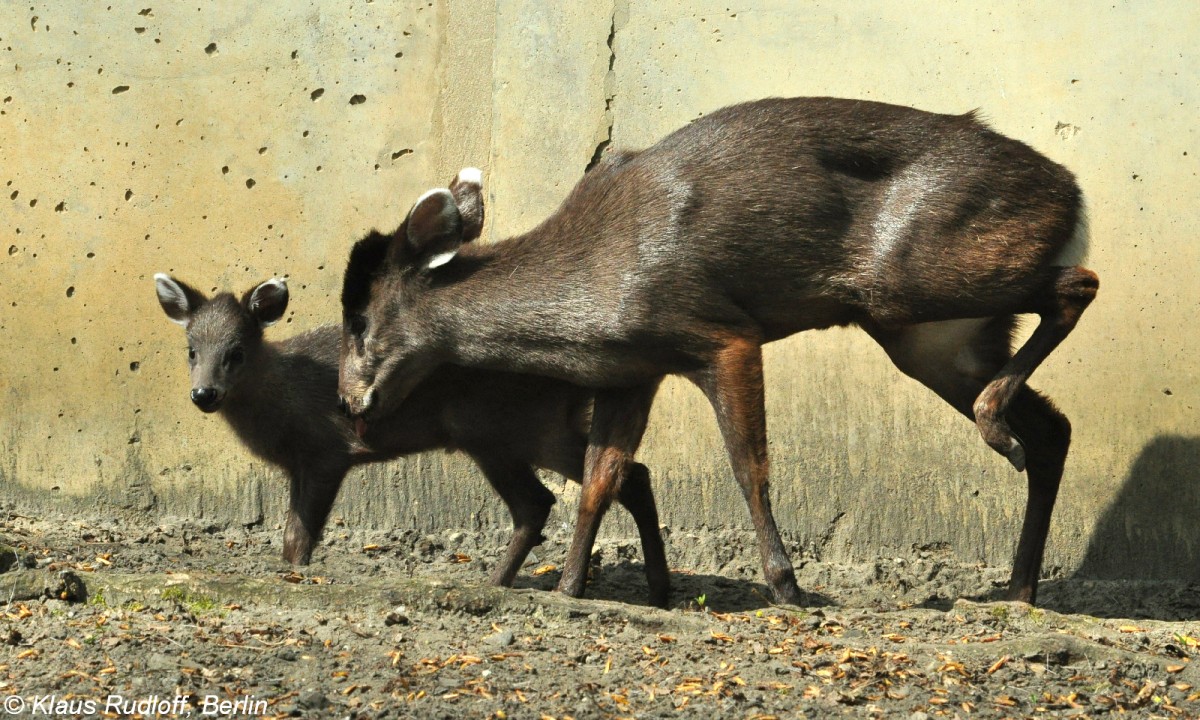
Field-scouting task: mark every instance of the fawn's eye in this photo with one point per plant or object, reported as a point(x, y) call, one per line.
point(237, 356)
point(358, 325)
point(191, 353)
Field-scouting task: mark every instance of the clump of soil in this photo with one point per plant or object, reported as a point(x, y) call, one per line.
point(401, 624)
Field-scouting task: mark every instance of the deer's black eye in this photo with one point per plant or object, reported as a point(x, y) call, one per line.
point(237, 356)
point(358, 325)
point(191, 353)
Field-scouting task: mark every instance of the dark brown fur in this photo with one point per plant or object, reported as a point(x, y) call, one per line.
point(756, 222)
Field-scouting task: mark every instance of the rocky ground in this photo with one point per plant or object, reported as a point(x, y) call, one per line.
point(181, 618)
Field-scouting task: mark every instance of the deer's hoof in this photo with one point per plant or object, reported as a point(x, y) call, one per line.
point(1016, 455)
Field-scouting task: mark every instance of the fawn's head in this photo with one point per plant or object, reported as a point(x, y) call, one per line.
point(224, 335)
point(389, 342)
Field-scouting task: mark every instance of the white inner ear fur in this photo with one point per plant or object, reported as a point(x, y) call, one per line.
point(274, 282)
point(170, 294)
point(471, 176)
point(449, 210)
point(430, 193)
point(440, 259)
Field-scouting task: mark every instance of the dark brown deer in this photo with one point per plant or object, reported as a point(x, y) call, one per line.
point(280, 398)
point(756, 222)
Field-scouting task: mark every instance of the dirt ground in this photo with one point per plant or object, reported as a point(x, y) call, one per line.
point(181, 617)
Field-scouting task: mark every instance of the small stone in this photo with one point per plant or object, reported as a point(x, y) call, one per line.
point(918, 715)
point(396, 617)
point(502, 639)
point(312, 700)
point(159, 662)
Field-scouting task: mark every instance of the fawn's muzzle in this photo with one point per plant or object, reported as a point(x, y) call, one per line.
point(207, 399)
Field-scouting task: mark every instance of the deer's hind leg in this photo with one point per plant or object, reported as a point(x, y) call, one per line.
point(957, 359)
point(1064, 294)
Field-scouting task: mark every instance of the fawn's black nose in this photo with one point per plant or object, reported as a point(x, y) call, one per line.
point(343, 406)
point(206, 399)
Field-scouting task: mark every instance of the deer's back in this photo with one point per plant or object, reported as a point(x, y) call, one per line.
point(806, 212)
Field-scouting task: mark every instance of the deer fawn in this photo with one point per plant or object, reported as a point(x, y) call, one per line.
point(761, 220)
point(280, 398)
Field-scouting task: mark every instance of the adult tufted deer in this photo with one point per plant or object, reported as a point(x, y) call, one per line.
point(281, 401)
point(756, 222)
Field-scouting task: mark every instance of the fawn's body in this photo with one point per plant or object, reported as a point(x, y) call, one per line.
point(280, 398)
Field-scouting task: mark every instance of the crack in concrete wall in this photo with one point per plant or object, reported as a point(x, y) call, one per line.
point(605, 133)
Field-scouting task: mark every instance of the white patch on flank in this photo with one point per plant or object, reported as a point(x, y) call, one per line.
point(471, 175)
point(901, 204)
point(169, 293)
point(1076, 250)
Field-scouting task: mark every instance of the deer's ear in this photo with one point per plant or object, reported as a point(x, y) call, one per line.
point(267, 302)
point(467, 189)
point(177, 299)
point(433, 232)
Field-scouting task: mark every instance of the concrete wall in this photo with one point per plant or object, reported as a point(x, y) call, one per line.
point(137, 135)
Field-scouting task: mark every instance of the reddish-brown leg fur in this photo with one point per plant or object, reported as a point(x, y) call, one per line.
point(619, 420)
point(733, 384)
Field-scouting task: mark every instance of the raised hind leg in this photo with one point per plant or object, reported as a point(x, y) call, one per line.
point(955, 359)
point(1065, 294)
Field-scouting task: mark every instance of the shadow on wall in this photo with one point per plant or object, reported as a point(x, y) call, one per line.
point(1151, 531)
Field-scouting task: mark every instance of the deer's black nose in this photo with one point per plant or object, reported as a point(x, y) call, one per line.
point(205, 398)
point(343, 406)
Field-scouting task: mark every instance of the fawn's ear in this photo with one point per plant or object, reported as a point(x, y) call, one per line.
point(177, 299)
point(267, 302)
point(432, 234)
point(467, 189)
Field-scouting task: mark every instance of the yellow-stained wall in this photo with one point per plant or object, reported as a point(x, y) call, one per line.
point(129, 136)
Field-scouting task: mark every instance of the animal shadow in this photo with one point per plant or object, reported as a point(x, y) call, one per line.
point(1143, 559)
point(625, 582)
